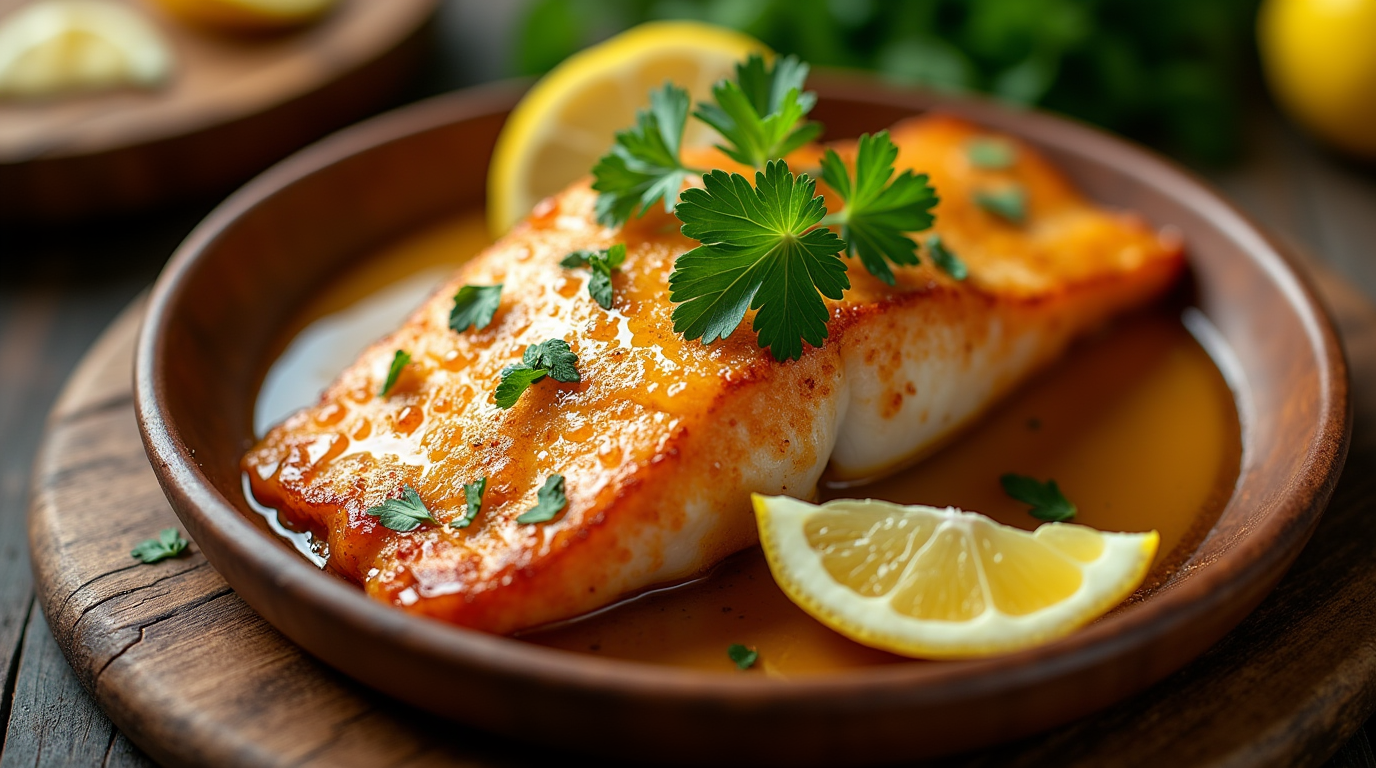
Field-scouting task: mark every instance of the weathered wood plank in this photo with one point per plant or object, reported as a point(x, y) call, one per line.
point(56, 723)
point(26, 328)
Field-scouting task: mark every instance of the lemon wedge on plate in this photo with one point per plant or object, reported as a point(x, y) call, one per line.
point(942, 583)
point(570, 117)
point(248, 15)
point(59, 46)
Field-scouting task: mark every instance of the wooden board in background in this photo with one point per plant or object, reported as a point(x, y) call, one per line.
point(194, 677)
point(234, 105)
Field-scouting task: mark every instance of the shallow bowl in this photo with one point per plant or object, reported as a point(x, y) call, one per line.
point(217, 312)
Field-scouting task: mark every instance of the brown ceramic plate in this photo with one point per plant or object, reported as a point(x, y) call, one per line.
point(217, 310)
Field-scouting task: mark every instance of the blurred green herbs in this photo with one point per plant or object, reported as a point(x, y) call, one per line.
point(1170, 72)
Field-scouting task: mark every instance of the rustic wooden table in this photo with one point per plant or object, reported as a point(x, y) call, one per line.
point(60, 286)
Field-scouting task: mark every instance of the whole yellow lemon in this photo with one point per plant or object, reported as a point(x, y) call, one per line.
point(1320, 60)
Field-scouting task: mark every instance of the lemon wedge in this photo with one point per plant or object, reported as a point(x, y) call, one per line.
point(942, 583)
point(570, 117)
point(248, 15)
point(59, 46)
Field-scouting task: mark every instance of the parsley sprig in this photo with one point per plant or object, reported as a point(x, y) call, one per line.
point(743, 656)
point(759, 251)
point(549, 502)
point(880, 209)
point(400, 360)
point(644, 166)
point(473, 502)
point(168, 544)
point(404, 514)
point(552, 357)
point(759, 112)
point(1048, 503)
point(601, 263)
point(765, 247)
point(474, 306)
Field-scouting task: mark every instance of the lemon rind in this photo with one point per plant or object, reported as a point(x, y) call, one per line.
point(1110, 578)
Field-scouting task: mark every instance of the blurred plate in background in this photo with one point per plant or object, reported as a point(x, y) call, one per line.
point(234, 105)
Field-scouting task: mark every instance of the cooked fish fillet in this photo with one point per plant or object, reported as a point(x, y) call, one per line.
point(663, 440)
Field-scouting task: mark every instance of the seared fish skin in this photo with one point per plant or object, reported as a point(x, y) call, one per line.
point(663, 440)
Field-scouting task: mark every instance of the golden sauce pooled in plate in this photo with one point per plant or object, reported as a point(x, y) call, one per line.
point(1137, 426)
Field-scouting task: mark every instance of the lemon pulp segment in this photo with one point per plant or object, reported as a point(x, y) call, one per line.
point(943, 583)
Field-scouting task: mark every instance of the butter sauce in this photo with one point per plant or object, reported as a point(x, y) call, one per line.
point(1137, 425)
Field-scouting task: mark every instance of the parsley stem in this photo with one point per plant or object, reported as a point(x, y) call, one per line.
point(835, 217)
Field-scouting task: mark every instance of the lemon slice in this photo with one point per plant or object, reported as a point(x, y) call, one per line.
point(58, 46)
point(942, 583)
point(570, 118)
point(248, 15)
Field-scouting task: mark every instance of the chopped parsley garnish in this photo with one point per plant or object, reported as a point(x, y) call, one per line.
point(878, 212)
point(758, 113)
point(399, 361)
point(944, 258)
point(990, 153)
point(474, 306)
point(552, 358)
point(745, 658)
point(549, 500)
point(643, 165)
point(759, 251)
point(1009, 203)
point(473, 496)
point(403, 514)
point(168, 544)
point(601, 263)
point(1048, 503)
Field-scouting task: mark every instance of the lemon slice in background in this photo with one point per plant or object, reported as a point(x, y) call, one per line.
point(942, 583)
point(248, 15)
point(570, 117)
point(60, 46)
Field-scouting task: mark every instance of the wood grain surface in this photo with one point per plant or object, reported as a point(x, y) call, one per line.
point(233, 105)
point(194, 677)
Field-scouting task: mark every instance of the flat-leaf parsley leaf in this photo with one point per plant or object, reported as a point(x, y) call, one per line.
point(474, 306)
point(1048, 503)
point(601, 263)
point(168, 544)
point(990, 153)
point(399, 361)
point(744, 657)
point(643, 165)
point(879, 213)
point(946, 259)
point(1009, 203)
point(549, 500)
point(553, 358)
point(758, 112)
point(759, 251)
point(403, 514)
point(473, 498)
